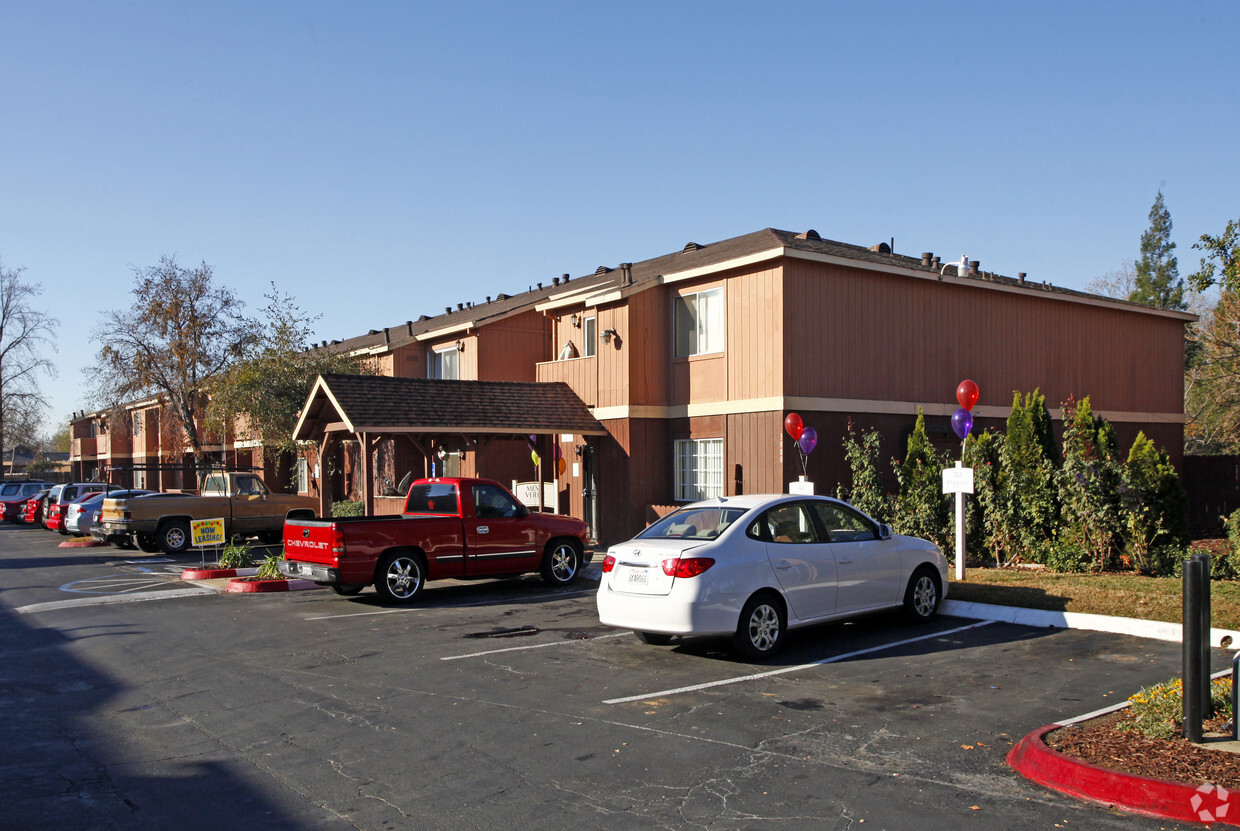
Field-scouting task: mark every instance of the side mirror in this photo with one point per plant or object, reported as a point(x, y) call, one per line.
point(884, 532)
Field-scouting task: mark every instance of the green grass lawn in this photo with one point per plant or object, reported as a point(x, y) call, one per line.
point(1123, 595)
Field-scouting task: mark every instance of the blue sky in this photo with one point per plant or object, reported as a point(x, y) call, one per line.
point(382, 160)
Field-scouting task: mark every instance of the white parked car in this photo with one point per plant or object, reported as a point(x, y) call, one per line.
point(82, 512)
point(753, 567)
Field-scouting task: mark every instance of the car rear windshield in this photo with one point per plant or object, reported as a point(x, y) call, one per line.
point(432, 499)
point(694, 523)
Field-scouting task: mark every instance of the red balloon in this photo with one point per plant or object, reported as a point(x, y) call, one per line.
point(794, 426)
point(967, 394)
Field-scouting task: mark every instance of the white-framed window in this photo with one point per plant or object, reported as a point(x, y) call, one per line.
point(699, 322)
point(303, 474)
point(699, 469)
point(589, 330)
point(137, 423)
point(444, 363)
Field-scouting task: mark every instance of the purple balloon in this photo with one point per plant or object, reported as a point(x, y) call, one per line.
point(809, 438)
point(962, 422)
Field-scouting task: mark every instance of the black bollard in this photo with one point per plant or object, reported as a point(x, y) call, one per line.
point(1207, 705)
point(1191, 650)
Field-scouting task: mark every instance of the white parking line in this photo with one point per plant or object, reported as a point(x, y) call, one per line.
point(505, 602)
point(108, 600)
point(797, 668)
point(534, 646)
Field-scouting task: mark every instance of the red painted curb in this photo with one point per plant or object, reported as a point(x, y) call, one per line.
point(80, 543)
point(207, 573)
point(278, 585)
point(1035, 760)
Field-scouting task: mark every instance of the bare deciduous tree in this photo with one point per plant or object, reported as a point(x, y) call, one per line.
point(26, 338)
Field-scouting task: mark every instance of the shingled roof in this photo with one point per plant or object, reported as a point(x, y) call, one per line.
point(382, 404)
point(691, 258)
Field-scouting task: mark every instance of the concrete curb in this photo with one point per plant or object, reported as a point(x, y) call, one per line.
point(1153, 629)
point(280, 585)
point(1034, 759)
point(216, 573)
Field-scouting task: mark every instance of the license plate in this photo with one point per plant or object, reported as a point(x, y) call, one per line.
point(303, 569)
point(638, 578)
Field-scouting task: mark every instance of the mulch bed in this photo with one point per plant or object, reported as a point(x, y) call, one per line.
point(1099, 742)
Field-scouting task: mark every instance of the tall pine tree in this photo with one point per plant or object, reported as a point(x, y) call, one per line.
point(1157, 282)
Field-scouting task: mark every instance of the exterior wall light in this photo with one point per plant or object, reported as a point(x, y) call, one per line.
point(460, 346)
point(607, 335)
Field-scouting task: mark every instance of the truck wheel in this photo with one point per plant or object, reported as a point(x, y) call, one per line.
point(400, 577)
point(174, 536)
point(271, 537)
point(146, 544)
point(561, 563)
point(124, 543)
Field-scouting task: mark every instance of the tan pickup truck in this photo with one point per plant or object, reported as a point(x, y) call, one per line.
point(161, 521)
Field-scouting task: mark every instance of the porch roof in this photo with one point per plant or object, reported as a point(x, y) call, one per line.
point(383, 404)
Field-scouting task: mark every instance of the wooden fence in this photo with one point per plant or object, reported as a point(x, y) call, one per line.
point(1213, 485)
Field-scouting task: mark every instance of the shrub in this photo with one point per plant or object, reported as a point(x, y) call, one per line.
point(919, 508)
point(1089, 486)
point(1156, 710)
point(1153, 503)
point(1023, 511)
point(270, 569)
point(1233, 533)
point(236, 555)
point(348, 508)
point(866, 493)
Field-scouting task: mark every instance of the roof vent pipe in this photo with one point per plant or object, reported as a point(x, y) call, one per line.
point(1021, 276)
point(555, 281)
point(461, 306)
point(626, 274)
point(447, 309)
point(926, 257)
point(973, 264)
point(935, 262)
point(565, 278)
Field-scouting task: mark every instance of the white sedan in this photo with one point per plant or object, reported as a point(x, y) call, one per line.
point(753, 567)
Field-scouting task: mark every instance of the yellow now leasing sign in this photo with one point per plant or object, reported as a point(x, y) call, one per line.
point(206, 532)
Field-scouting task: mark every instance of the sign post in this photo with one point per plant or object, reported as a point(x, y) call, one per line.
point(959, 480)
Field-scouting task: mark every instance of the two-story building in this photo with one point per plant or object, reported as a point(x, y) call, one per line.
point(691, 361)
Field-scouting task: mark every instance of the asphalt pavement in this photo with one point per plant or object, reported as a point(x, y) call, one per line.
point(132, 704)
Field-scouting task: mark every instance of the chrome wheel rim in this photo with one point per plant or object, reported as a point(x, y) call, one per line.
point(175, 538)
point(925, 596)
point(403, 577)
point(764, 628)
point(563, 563)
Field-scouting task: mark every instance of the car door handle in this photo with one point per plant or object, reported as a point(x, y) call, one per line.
point(483, 529)
point(783, 566)
point(844, 561)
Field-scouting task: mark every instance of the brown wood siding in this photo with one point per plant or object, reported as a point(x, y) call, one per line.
point(649, 344)
point(509, 350)
point(754, 340)
point(581, 375)
point(614, 358)
point(866, 335)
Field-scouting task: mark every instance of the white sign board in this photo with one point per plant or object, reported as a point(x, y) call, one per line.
point(527, 494)
point(957, 480)
point(802, 488)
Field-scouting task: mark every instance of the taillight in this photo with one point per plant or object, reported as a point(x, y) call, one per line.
point(609, 562)
point(687, 567)
point(337, 541)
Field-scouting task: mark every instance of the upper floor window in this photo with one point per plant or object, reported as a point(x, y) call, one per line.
point(699, 322)
point(137, 423)
point(444, 364)
point(589, 328)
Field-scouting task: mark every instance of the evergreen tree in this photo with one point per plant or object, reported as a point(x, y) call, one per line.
point(1088, 491)
point(1024, 509)
point(1157, 282)
point(919, 509)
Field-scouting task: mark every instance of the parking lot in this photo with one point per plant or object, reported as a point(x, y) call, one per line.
point(505, 703)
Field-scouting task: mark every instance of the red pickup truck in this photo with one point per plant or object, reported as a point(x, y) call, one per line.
point(450, 528)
